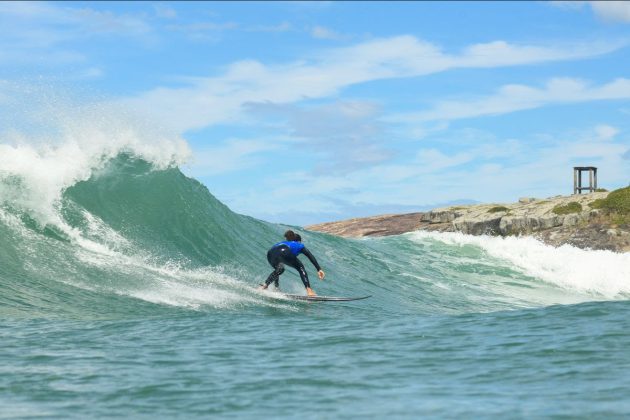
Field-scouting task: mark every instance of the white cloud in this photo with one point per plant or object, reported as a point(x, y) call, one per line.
point(44, 57)
point(605, 132)
point(30, 10)
point(204, 31)
point(197, 27)
point(321, 32)
point(165, 12)
point(209, 30)
point(35, 32)
point(92, 21)
point(90, 73)
point(232, 156)
point(618, 11)
point(612, 10)
point(343, 133)
point(431, 160)
point(41, 24)
point(501, 53)
point(221, 98)
point(511, 98)
point(281, 27)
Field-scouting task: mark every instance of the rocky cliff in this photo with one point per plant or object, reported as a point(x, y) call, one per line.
point(556, 221)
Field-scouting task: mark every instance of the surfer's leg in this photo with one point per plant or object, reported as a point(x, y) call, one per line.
point(274, 258)
point(275, 275)
point(297, 264)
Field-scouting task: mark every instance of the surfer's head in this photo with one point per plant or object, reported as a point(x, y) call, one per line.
point(289, 235)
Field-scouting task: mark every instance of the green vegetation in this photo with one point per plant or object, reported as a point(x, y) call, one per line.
point(498, 209)
point(620, 219)
point(541, 202)
point(601, 190)
point(616, 205)
point(597, 204)
point(617, 201)
point(572, 207)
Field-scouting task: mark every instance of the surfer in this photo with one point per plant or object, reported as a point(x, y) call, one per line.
point(285, 253)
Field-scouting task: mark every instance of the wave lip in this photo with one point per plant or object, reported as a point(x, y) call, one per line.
point(32, 179)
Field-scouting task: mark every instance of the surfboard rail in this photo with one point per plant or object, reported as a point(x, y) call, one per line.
point(324, 298)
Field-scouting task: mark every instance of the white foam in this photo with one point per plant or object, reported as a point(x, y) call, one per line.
point(602, 273)
point(166, 283)
point(54, 144)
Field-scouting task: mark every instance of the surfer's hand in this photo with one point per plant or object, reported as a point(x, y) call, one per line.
point(321, 274)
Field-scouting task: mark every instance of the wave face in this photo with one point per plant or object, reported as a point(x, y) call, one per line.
point(132, 230)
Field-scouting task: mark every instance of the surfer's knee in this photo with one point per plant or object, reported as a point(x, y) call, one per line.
point(280, 269)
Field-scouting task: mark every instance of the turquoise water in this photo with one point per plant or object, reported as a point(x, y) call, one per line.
point(133, 294)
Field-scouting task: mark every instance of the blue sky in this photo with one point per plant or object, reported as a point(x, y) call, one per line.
point(301, 112)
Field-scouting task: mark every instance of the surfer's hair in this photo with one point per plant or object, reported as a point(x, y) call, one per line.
point(289, 235)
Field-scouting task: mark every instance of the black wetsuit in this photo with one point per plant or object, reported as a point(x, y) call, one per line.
point(285, 253)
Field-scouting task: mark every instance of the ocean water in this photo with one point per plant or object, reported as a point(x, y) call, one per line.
point(127, 290)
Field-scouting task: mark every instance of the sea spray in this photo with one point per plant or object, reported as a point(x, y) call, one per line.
point(602, 274)
point(34, 173)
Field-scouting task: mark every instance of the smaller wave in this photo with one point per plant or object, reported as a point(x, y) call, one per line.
point(599, 273)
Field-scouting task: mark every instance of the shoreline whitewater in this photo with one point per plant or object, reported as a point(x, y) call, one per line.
point(556, 221)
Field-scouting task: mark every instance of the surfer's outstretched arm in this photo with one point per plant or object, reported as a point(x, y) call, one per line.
point(313, 261)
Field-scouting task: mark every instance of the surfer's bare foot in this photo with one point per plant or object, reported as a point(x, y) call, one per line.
point(263, 287)
point(310, 292)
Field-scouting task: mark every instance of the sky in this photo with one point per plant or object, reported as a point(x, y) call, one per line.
point(306, 112)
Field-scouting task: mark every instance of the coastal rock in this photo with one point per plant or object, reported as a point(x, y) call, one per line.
point(529, 216)
point(439, 216)
point(478, 226)
point(383, 225)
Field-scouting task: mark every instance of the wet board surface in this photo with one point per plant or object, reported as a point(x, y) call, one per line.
point(325, 298)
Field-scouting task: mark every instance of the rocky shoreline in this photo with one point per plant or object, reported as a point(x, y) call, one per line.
point(586, 227)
